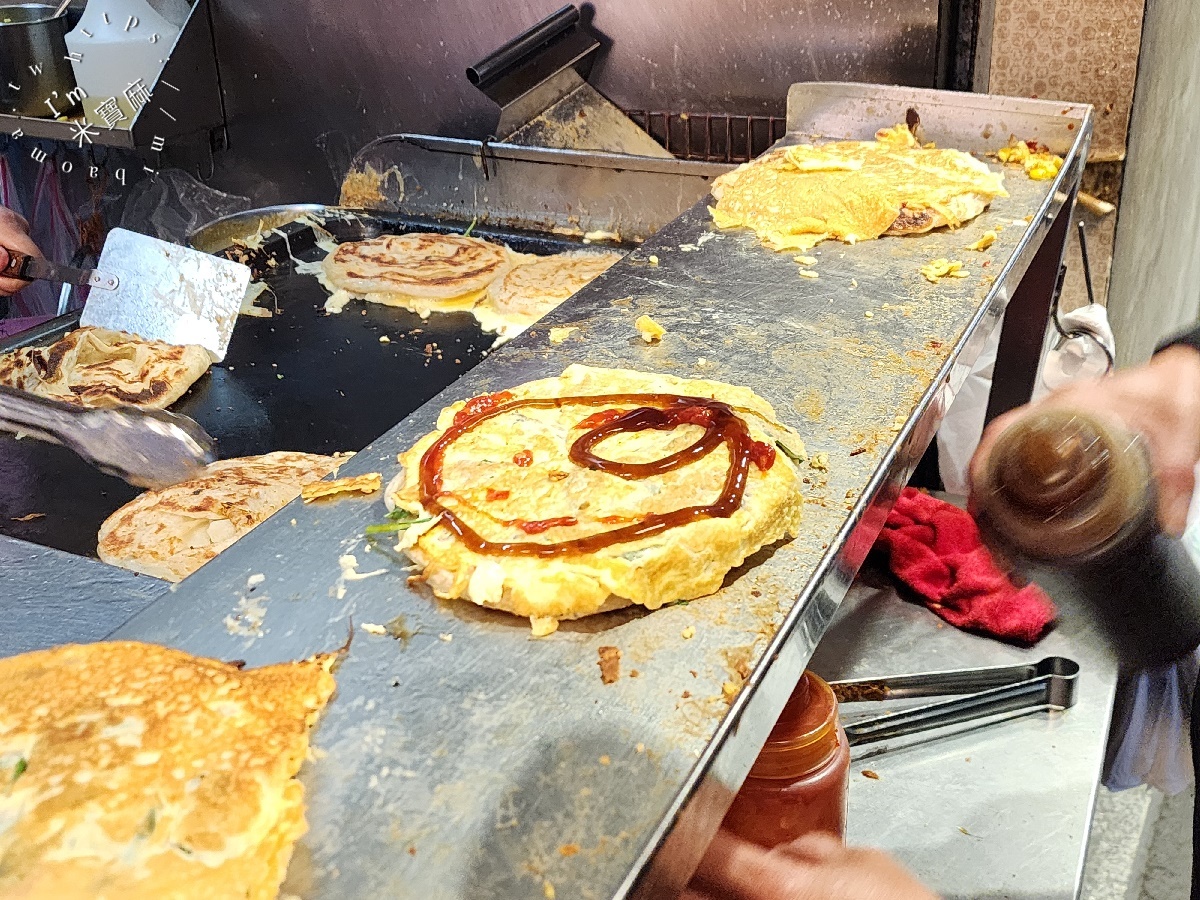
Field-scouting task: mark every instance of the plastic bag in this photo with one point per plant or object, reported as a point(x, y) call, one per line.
point(962, 427)
point(173, 204)
point(53, 228)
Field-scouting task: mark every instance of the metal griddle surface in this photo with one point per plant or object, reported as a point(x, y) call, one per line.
point(302, 380)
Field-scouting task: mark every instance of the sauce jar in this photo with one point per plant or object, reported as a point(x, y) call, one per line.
point(1063, 487)
point(798, 783)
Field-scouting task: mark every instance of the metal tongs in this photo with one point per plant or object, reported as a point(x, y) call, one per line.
point(148, 448)
point(994, 693)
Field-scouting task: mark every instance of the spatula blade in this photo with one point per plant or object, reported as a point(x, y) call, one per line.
point(168, 293)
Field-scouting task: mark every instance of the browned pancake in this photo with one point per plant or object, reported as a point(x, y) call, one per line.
point(96, 367)
point(131, 771)
point(428, 266)
point(171, 533)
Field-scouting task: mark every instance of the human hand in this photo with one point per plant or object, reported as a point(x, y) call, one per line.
point(1160, 401)
point(816, 867)
point(14, 235)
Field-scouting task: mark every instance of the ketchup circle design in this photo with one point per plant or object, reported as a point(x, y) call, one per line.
point(660, 412)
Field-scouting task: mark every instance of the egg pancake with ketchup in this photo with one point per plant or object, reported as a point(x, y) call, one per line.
point(594, 490)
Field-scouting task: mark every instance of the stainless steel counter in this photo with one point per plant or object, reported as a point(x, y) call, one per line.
point(1023, 790)
point(49, 597)
point(1002, 811)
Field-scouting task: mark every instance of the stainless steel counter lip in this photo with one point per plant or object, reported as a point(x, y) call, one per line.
point(49, 330)
point(480, 738)
point(48, 597)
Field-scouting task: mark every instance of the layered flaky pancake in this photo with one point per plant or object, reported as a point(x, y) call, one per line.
point(96, 367)
point(537, 285)
point(171, 533)
point(134, 771)
point(514, 512)
point(795, 197)
point(418, 271)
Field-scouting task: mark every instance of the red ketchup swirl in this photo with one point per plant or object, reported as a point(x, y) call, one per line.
point(658, 412)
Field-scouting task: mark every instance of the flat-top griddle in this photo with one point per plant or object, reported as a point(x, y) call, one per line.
point(302, 380)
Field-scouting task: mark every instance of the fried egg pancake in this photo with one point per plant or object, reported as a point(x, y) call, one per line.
point(796, 197)
point(171, 533)
point(533, 288)
point(514, 468)
point(135, 771)
point(96, 367)
point(418, 271)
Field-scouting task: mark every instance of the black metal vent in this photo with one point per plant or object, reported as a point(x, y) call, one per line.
point(711, 137)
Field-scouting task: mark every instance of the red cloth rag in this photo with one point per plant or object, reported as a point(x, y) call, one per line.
point(934, 547)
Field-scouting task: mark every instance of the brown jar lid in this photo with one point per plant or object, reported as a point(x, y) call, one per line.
point(1061, 483)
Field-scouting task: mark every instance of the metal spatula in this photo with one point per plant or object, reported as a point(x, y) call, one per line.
point(168, 293)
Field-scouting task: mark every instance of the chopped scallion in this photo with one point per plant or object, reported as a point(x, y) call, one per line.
point(389, 527)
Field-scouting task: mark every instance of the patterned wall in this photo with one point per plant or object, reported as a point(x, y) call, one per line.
point(1078, 50)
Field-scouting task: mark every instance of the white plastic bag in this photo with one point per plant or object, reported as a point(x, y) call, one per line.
point(962, 427)
point(1148, 742)
point(173, 204)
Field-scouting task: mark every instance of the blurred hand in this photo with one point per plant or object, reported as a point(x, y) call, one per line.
point(14, 235)
point(816, 867)
point(1160, 401)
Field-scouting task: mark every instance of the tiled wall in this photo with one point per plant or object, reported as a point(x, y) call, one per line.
point(1078, 50)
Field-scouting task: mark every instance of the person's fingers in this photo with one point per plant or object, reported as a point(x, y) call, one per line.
point(8, 286)
point(19, 242)
point(10, 220)
point(734, 868)
point(813, 848)
point(727, 857)
point(1175, 485)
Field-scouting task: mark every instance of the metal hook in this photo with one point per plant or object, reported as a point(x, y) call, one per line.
point(1087, 268)
point(484, 149)
point(1065, 335)
point(212, 164)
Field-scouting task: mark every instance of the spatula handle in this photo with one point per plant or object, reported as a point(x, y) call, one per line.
point(16, 265)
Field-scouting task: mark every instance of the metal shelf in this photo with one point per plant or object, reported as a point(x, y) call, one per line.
point(180, 99)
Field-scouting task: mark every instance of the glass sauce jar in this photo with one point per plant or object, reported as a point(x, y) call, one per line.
point(798, 783)
point(1061, 486)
